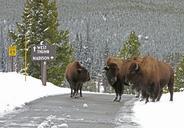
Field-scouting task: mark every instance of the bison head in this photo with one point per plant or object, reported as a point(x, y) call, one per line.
point(111, 71)
point(134, 73)
point(84, 74)
point(134, 68)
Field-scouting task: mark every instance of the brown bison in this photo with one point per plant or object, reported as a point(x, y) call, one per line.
point(151, 75)
point(115, 71)
point(76, 75)
point(145, 75)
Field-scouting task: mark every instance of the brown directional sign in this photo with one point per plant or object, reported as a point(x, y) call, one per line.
point(43, 52)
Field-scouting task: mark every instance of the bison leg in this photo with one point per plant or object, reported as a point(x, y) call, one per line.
point(115, 99)
point(119, 99)
point(120, 91)
point(160, 94)
point(147, 98)
point(157, 92)
point(116, 91)
point(138, 91)
point(170, 88)
point(75, 93)
point(72, 88)
point(81, 90)
point(71, 94)
point(145, 95)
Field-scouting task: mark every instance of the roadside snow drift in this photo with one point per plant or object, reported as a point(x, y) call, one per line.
point(15, 91)
point(162, 114)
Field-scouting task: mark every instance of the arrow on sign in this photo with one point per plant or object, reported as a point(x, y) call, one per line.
point(34, 48)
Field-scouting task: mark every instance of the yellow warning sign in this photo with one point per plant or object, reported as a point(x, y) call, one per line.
point(12, 50)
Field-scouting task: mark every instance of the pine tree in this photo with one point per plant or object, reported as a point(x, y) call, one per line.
point(179, 77)
point(130, 47)
point(40, 24)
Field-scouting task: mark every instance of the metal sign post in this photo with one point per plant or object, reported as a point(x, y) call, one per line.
point(43, 53)
point(44, 72)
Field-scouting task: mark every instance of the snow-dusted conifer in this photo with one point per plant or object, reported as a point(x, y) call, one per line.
point(130, 47)
point(39, 23)
point(179, 77)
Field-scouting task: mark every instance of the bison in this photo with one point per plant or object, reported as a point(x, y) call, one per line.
point(151, 75)
point(76, 75)
point(115, 71)
point(145, 75)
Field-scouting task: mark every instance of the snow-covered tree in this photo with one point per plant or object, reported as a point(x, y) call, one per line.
point(179, 77)
point(130, 47)
point(40, 24)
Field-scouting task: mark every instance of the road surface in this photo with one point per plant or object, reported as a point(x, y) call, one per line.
point(91, 111)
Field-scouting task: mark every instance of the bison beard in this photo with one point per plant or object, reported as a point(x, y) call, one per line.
point(76, 75)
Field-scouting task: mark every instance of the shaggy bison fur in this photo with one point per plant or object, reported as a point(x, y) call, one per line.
point(115, 71)
point(76, 75)
point(150, 76)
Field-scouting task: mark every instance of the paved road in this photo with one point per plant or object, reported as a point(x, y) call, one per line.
point(52, 111)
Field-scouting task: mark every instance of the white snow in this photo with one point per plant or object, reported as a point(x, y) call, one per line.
point(162, 114)
point(85, 105)
point(64, 125)
point(15, 92)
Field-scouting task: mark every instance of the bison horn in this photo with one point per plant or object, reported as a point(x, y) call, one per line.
point(137, 67)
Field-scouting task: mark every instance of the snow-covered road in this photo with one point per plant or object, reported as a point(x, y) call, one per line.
point(91, 111)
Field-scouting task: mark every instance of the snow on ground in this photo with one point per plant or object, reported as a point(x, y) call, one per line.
point(15, 92)
point(162, 114)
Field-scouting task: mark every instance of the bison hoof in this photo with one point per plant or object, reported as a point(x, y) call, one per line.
point(137, 96)
point(76, 96)
point(141, 99)
point(115, 100)
point(146, 101)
